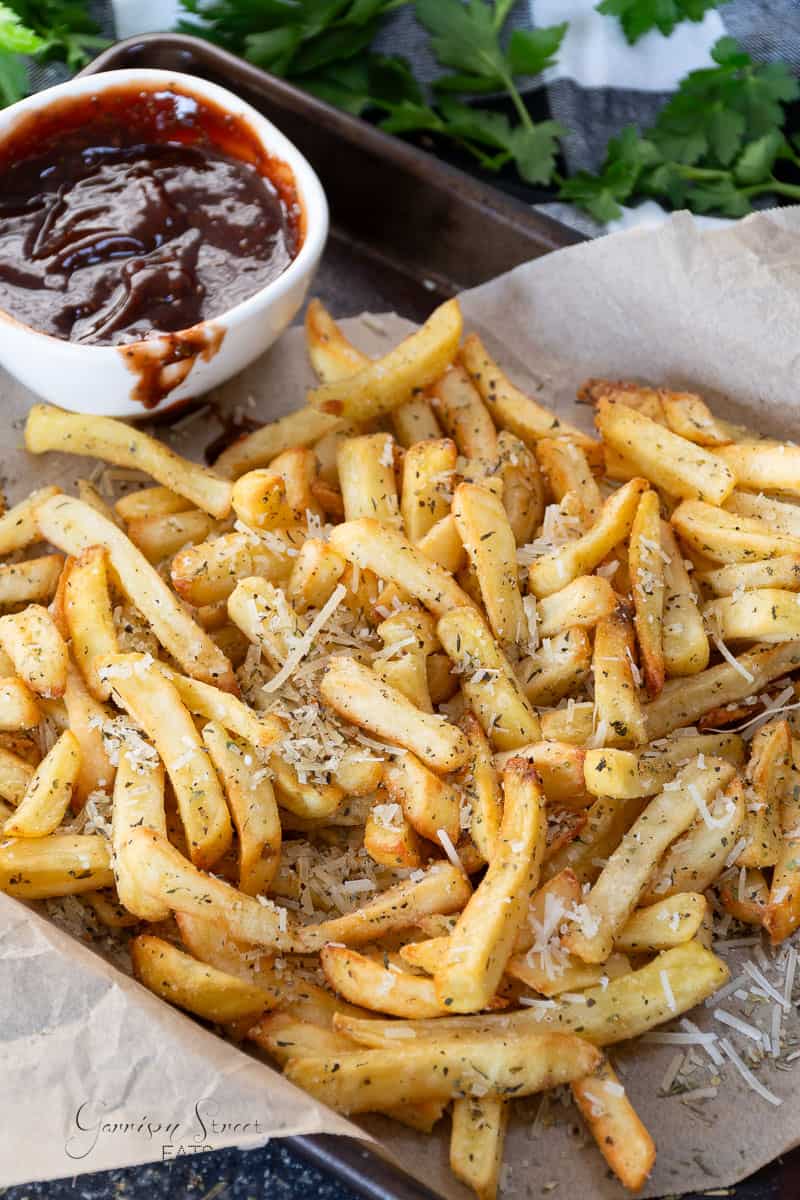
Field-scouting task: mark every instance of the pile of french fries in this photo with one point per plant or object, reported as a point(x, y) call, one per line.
point(423, 633)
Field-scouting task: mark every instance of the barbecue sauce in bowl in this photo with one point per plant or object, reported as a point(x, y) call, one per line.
point(137, 212)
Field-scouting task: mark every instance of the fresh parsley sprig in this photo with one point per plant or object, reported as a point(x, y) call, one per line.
point(717, 144)
point(639, 17)
point(58, 30)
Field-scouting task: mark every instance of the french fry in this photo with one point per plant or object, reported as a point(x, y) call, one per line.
point(409, 639)
point(442, 545)
point(315, 573)
point(88, 615)
point(511, 408)
point(74, 527)
point(150, 502)
point(671, 462)
point(360, 696)
point(659, 926)
point(684, 641)
point(49, 792)
point(18, 526)
point(15, 775)
point(62, 864)
point(763, 466)
point(49, 428)
point(364, 981)
point(579, 605)
point(138, 803)
point(260, 501)
point(356, 774)
point(182, 980)
point(555, 570)
point(566, 469)
point(780, 515)
point(208, 573)
point(258, 449)
point(88, 493)
point(523, 486)
point(618, 710)
point(18, 708)
point(463, 415)
point(480, 785)
point(560, 769)
point(366, 1080)
point(86, 717)
point(210, 942)
point(688, 415)
point(307, 800)
point(646, 400)
point(490, 543)
point(374, 547)
point(415, 421)
point(556, 668)
point(332, 356)
point(427, 481)
point(781, 572)
point(766, 615)
point(767, 781)
point(620, 1135)
point(483, 939)
point(36, 648)
point(782, 915)
point(398, 376)
point(166, 876)
point(624, 1008)
point(536, 971)
point(626, 774)
point(154, 703)
point(31, 582)
point(728, 538)
point(205, 700)
point(390, 838)
point(624, 877)
point(443, 889)
point(695, 860)
point(429, 803)
point(366, 476)
point(162, 537)
point(251, 800)
point(476, 1143)
point(683, 701)
point(646, 565)
point(749, 901)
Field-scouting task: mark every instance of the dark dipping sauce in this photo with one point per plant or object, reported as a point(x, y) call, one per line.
point(136, 212)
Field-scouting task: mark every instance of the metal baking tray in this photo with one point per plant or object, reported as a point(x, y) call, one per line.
point(406, 232)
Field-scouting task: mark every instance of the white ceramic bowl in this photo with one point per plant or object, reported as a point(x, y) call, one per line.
point(98, 379)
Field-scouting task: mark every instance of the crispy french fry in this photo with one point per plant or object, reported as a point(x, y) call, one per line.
point(390, 838)
point(581, 604)
point(208, 573)
point(671, 462)
point(182, 980)
point(570, 974)
point(476, 1143)
point(364, 981)
point(781, 572)
point(668, 922)
point(260, 501)
point(49, 792)
point(728, 538)
point(483, 939)
point(251, 800)
point(366, 476)
point(646, 400)
point(374, 547)
point(86, 717)
point(782, 915)
point(646, 565)
point(415, 421)
point(560, 769)
point(480, 785)
point(624, 877)
point(428, 469)
point(153, 701)
point(398, 376)
point(162, 537)
point(463, 414)
point(409, 637)
point(624, 774)
point(18, 526)
point(366, 1080)
point(49, 428)
point(556, 668)
point(15, 775)
point(258, 449)
point(489, 541)
point(74, 527)
point(150, 502)
point(443, 889)
point(205, 700)
point(567, 469)
point(18, 708)
point(749, 901)
point(555, 570)
point(621, 1137)
point(767, 781)
point(62, 864)
point(523, 486)
point(31, 582)
point(306, 800)
point(360, 696)
point(429, 803)
point(316, 571)
point(780, 515)
point(332, 356)
point(36, 648)
point(766, 615)
point(442, 545)
point(618, 710)
point(138, 803)
point(88, 615)
point(684, 641)
point(763, 466)
point(488, 682)
point(695, 860)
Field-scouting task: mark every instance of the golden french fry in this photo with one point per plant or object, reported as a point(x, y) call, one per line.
point(780, 515)
point(480, 786)
point(205, 700)
point(490, 543)
point(89, 494)
point(332, 356)
point(442, 545)
point(49, 792)
point(476, 1143)
point(86, 718)
point(624, 774)
point(390, 838)
point(782, 916)
point(442, 889)
point(556, 569)
point(488, 682)
point(366, 476)
point(259, 499)
point(36, 648)
point(414, 421)
point(18, 526)
point(208, 573)
point(150, 502)
point(523, 486)
point(570, 974)
point(624, 877)
point(556, 668)
point(646, 565)
point(409, 637)
point(511, 408)
point(560, 769)
point(15, 775)
point(138, 803)
point(162, 537)
point(202, 990)
point(306, 800)
point(62, 864)
point(619, 716)
point(763, 466)
point(781, 572)
point(581, 604)
point(463, 415)
point(728, 538)
point(18, 708)
point(646, 400)
point(74, 527)
point(428, 469)
point(211, 942)
point(683, 701)
point(684, 641)
point(621, 1137)
point(374, 547)
point(398, 376)
point(251, 799)
point(566, 469)
point(367, 982)
point(483, 939)
point(767, 781)
point(88, 615)
point(360, 696)
point(260, 448)
point(366, 1080)
point(695, 860)
point(153, 701)
point(315, 573)
point(766, 615)
point(31, 582)
point(49, 428)
point(749, 903)
point(659, 926)
point(429, 804)
point(671, 462)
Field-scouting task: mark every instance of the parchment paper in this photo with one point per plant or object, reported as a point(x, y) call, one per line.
point(98, 1073)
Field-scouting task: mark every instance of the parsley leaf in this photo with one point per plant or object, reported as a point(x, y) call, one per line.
point(639, 17)
point(15, 36)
